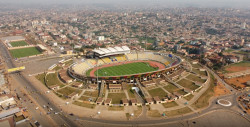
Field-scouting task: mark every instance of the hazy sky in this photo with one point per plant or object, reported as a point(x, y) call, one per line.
point(196, 3)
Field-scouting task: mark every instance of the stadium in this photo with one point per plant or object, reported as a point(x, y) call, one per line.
point(120, 64)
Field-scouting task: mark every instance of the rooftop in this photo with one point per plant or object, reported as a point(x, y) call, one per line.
point(12, 38)
point(112, 51)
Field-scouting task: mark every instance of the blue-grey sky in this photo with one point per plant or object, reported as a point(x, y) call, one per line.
point(196, 3)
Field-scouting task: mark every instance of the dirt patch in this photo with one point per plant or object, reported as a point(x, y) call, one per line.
point(236, 68)
point(220, 89)
point(238, 82)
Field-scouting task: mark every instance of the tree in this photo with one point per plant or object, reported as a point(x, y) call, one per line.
point(165, 33)
point(170, 29)
point(103, 46)
point(220, 54)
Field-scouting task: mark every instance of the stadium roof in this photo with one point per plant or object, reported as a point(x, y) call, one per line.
point(118, 48)
point(125, 48)
point(42, 47)
point(12, 38)
point(112, 51)
point(9, 112)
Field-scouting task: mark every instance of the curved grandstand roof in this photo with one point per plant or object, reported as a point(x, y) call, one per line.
point(112, 51)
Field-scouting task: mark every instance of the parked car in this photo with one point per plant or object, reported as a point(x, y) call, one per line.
point(37, 124)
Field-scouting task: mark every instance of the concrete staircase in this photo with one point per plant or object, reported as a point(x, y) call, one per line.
point(141, 88)
point(101, 88)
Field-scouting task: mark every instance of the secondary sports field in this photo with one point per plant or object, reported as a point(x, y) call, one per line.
point(23, 52)
point(18, 43)
point(236, 67)
point(125, 69)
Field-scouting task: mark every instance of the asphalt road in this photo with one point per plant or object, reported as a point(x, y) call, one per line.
point(28, 103)
point(221, 80)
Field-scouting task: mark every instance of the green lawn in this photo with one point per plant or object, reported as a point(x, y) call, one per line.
point(52, 79)
point(170, 104)
point(196, 78)
point(57, 68)
point(86, 105)
point(187, 84)
point(40, 77)
point(116, 108)
point(149, 39)
point(196, 66)
point(130, 91)
point(182, 92)
point(88, 71)
point(242, 52)
point(138, 111)
point(24, 52)
point(171, 88)
point(91, 93)
point(18, 43)
point(199, 72)
point(117, 97)
point(125, 69)
point(84, 98)
point(229, 50)
point(189, 97)
point(180, 111)
point(153, 113)
point(68, 90)
point(203, 100)
point(157, 92)
point(240, 64)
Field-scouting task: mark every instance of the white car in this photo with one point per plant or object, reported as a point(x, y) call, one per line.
point(37, 108)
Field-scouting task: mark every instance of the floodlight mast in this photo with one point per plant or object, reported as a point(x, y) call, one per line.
point(97, 72)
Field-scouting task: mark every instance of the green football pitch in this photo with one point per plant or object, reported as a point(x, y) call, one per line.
point(23, 52)
point(125, 69)
point(18, 43)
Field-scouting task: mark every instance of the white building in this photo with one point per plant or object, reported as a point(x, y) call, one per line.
point(101, 38)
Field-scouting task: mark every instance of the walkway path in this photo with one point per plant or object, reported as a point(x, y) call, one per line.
point(126, 93)
point(80, 94)
point(196, 97)
point(179, 86)
point(106, 94)
point(164, 89)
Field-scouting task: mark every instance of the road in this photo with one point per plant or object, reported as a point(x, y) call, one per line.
point(221, 80)
point(27, 103)
point(41, 99)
